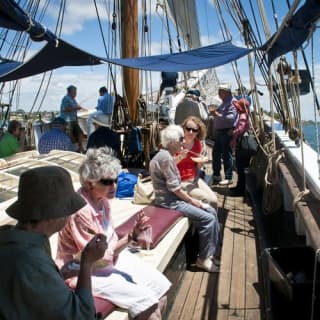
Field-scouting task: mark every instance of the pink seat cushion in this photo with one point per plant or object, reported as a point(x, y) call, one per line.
point(161, 220)
point(103, 307)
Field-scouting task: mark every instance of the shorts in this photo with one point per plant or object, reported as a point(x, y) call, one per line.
point(74, 131)
point(131, 284)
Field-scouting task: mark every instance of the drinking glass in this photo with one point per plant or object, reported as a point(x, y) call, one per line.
point(147, 237)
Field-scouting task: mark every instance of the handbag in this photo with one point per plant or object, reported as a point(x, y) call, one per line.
point(143, 191)
point(248, 143)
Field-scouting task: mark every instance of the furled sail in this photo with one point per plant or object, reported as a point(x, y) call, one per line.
point(183, 13)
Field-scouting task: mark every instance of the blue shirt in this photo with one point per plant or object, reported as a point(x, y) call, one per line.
point(105, 103)
point(68, 102)
point(55, 139)
point(228, 115)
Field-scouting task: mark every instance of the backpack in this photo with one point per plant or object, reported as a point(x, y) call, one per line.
point(125, 185)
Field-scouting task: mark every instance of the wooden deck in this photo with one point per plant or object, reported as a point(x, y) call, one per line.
point(234, 293)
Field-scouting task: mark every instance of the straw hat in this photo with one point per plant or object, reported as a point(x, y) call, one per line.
point(102, 120)
point(45, 193)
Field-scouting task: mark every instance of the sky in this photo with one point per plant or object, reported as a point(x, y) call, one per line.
point(81, 29)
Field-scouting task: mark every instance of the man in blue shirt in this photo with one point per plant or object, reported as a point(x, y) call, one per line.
point(104, 106)
point(56, 138)
point(68, 111)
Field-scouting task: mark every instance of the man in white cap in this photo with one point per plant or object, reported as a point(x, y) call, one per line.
point(104, 107)
point(32, 286)
point(225, 119)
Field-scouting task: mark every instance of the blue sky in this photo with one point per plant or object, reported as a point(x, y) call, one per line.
point(81, 29)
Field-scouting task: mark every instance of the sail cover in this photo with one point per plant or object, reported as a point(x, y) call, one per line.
point(50, 57)
point(53, 56)
point(296, 32)
point(14, 17)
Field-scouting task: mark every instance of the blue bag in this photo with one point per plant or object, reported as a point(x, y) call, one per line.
point(126, 183)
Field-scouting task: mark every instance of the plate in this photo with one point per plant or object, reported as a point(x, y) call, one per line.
point(199, 159)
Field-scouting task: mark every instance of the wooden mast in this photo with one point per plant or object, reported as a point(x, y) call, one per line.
point(129, 49)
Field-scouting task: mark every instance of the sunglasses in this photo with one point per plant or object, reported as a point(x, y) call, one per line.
point(108, 182)
point(191, 129)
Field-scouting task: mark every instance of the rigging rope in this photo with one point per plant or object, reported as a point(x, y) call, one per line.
point(105, 46)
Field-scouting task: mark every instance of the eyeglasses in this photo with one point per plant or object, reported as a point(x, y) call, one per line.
point(191, 129)
point(108, 182)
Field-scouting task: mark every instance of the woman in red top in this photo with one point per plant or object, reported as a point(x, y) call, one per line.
point(190, 160)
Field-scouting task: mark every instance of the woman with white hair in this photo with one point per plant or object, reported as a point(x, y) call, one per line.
point(170, 194)
point(122, 277)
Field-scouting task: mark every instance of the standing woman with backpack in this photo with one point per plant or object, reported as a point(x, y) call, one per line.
point(242, 156)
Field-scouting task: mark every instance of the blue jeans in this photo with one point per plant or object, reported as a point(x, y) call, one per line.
point(206, 223)
point(222, 149)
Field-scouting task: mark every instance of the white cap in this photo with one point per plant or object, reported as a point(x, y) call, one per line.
point(225, 87)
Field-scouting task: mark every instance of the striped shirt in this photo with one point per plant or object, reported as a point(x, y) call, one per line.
point(55, 139)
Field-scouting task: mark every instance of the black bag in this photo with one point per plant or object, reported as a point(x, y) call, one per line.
point(248, 143)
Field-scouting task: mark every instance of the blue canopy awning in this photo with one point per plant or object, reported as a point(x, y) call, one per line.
point(197, 59)
point(58, 54)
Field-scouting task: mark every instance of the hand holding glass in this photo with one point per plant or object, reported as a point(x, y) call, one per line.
point(147, 237)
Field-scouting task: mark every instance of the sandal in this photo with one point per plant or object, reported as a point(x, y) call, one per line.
point(207, 265)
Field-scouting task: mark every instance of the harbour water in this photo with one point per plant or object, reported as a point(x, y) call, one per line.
point(310, 134)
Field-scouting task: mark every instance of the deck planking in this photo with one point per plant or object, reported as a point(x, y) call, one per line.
point(234, 293)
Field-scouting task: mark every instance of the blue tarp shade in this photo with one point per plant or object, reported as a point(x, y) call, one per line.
point(53, 56)
point(13, 17)
point(198, 59)
point(297, 31)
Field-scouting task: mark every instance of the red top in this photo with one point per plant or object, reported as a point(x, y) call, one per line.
point(189, 169)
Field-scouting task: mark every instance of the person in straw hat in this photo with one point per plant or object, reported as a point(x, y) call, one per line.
point(32, 287)
point(103, 136)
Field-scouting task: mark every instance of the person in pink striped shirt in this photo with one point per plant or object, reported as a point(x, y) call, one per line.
point(120, 277)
